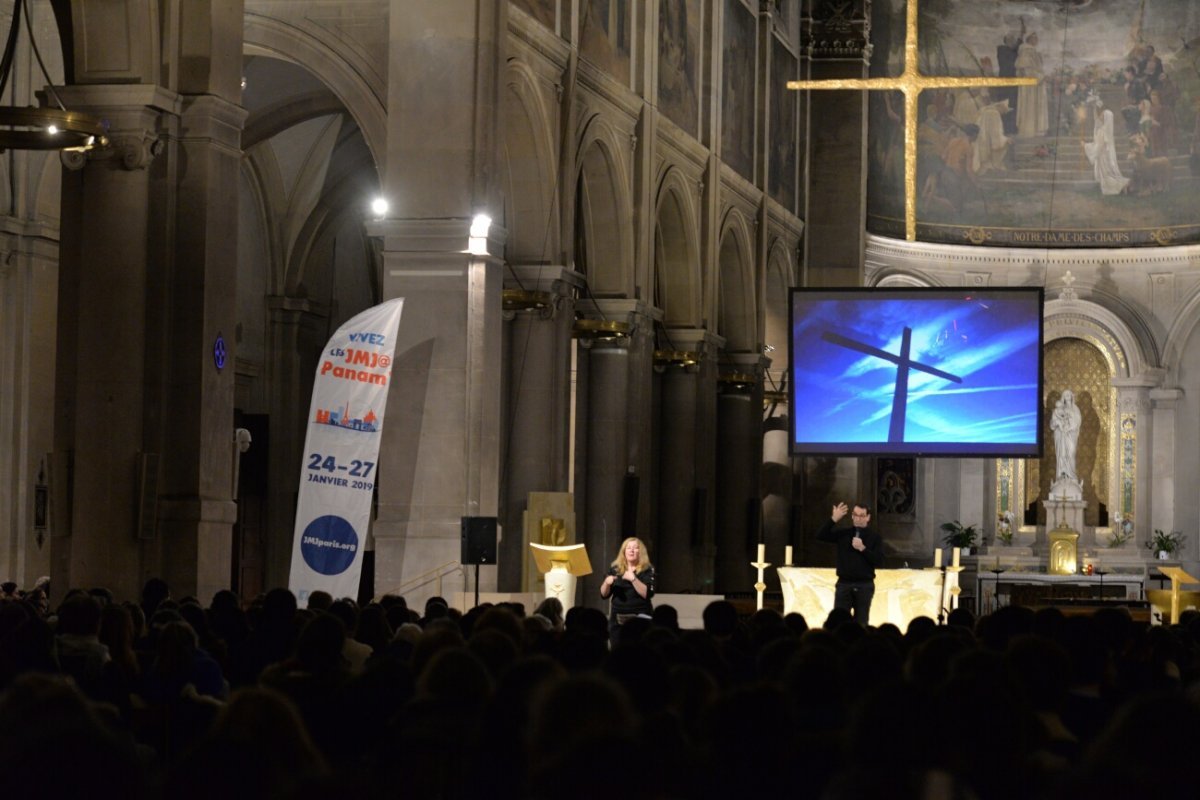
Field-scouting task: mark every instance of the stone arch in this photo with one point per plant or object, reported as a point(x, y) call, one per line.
point(1184, 327)
point(776, 297)
point(676, 255)
point(737, 319)
point(528, 170)
point(340, 199)
point(1110, 334)
point(899, 278)
point(603, 233)
point(345, 73)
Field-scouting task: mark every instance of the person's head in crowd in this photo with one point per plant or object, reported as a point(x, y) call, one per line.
point(117, 634)
point(552, 609)
point(665, 616)
point(319, 647)
point(197, 618)
point(154, 591)
point(720, 619)
point(258, 746)
point(103, 596)
point(516, 607)
point(79, 615)
point(225, 601)
point(278, 609)
point(409, 632)
point(137, 618)
point(496, 649)
point(582, 619)
point(319, 600)
point(961, 617)
point(373, 627)
point(54, 743)
point(436, 608)
point(796, 623)
point(175, 651)
point(499, 619)
point(38, 600)
point(837, 618)
point(347, 613)
point(8, 591)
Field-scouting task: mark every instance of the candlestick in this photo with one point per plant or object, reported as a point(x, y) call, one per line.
point(937, 557)
point(954, 556)
point(760, 564)
point(787, 555)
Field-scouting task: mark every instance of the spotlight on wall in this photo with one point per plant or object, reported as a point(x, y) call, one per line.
point(379, 207)
point(480, 226)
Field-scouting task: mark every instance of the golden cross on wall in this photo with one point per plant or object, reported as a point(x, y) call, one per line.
point(911, 82)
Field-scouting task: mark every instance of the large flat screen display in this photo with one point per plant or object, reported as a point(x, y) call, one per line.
point(921, 372)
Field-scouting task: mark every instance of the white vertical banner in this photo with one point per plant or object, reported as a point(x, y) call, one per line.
point(341, 450)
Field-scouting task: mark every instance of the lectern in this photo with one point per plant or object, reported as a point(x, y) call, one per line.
point(1174, 599)
point(560, 566)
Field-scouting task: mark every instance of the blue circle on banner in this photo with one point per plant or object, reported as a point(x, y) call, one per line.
point(329, 545)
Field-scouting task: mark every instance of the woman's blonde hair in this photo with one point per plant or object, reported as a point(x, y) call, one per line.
point(643, 556)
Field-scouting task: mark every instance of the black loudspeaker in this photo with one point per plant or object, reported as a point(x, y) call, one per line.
point(629, 505)
point(478, 540)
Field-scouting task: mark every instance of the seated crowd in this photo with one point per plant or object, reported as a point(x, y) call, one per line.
point(168, 698)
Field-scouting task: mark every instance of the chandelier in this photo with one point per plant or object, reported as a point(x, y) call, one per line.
point(41, 128)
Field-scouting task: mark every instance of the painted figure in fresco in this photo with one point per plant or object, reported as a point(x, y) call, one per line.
point(1033, 110)
point(1065, 423)
point(1101, 152)
point(1006, 67)
point(991, 145)
point(954, 181)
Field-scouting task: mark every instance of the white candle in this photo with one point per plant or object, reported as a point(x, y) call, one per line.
point(954, 556)
point(937, 557)
point(762, 552)
point(787, 555)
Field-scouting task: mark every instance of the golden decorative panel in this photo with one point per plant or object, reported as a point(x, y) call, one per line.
point(1081, 367)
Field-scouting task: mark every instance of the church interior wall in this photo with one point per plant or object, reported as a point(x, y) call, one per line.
point(668, 217)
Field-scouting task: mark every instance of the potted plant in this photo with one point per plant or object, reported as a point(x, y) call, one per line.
point(1122, 533)
point(960, 536)
point(1004, 528)
point(1165, 544)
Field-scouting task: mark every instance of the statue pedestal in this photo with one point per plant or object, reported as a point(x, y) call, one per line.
point(1065, 514)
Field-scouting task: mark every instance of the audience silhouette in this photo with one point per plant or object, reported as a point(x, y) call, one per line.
point(167, 698)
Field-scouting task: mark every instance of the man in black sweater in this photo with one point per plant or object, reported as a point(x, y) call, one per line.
point(859, 552)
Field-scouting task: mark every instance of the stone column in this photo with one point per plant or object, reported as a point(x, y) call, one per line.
point(1159, 489)
point(297, 332)
point(835, 216)
point(144, 413)
point(739, 463)
point(613, 378)
point(440, 452)
point(535, 450)
point(686, 443)
point(198, 511)
point(111, 309)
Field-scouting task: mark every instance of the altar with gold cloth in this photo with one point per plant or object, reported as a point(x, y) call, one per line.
point(901, 595)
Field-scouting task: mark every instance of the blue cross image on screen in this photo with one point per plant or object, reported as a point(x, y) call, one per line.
point(917, 371)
